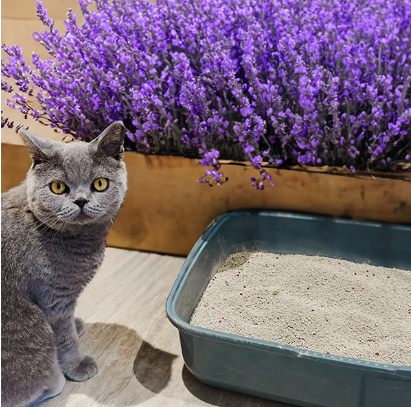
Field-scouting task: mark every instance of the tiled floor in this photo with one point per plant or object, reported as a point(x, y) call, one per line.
point(137, 348)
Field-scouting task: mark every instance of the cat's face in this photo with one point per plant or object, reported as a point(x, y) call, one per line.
point(77, 183)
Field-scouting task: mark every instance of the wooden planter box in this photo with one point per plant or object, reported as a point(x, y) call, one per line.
point(166, 209)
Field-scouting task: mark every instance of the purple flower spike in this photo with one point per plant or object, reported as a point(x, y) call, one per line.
point(276, 83)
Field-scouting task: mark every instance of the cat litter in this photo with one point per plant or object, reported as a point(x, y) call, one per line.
point(316, 303)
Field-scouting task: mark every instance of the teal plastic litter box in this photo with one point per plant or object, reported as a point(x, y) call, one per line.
point(272, 370)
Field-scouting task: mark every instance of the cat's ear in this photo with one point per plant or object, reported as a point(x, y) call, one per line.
point(111, 140)
point(39, 148)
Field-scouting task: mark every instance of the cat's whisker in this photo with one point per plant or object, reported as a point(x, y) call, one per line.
point(45, 220)
point(46, 223)
point(48, 227)
point(62, 233)
point(59, 231)
point(55, 234)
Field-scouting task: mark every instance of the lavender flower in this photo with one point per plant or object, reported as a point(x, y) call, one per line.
point(279, 82)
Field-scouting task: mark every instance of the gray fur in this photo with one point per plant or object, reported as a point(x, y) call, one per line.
point(51, 248)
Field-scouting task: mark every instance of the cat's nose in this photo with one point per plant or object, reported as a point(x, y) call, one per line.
point(81, 202)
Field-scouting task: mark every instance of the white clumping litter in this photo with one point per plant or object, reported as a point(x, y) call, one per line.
point(315, 303)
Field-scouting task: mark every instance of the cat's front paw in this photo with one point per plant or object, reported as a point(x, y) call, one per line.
point(80, 326)
point(85, 370)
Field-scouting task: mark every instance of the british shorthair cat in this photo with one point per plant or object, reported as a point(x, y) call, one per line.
point(53, 234)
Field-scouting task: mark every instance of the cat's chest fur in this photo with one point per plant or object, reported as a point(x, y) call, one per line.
point(69, 262)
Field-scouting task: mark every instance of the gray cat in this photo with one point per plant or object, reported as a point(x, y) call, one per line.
point(53, 240)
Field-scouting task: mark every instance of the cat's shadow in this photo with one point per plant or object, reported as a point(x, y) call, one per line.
point(131, 370)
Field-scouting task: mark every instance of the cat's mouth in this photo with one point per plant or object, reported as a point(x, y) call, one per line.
point(80, 219)
point(80, 216)
point(85, 216)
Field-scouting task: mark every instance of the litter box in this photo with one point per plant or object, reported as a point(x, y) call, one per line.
point(272, 370)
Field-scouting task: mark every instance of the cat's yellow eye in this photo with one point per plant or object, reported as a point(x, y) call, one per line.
point(100, 184)
point(58, 187)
